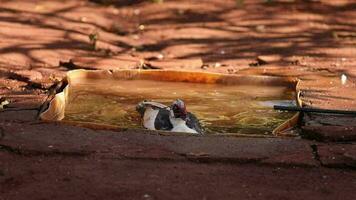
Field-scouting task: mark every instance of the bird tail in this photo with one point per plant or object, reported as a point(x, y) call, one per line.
point(141, 108)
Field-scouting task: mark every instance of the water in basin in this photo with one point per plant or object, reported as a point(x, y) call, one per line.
point(245, 109)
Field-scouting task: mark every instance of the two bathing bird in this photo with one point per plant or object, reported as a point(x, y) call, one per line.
point(175, 118)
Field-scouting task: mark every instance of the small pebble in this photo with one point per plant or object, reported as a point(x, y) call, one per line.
point(261, 28)
point(83, 19)
point(137, 11)
point(136, 37)
point(230, 71)
point(204, 66)
point(114, 11)
point(343, 79)
point(217, 65)
point(141, 27)
point(160, 56)
point(181, 12)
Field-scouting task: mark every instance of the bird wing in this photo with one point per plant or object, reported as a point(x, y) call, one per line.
point(193, 123)
point(141, 107)
point(154, 104)
point(162, 121)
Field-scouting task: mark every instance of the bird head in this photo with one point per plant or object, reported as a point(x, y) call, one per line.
point(179, 109)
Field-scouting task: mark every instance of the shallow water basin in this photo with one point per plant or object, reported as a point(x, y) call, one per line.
point(226, 107)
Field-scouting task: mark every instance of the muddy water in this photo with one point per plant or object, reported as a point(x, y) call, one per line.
point(221, 108)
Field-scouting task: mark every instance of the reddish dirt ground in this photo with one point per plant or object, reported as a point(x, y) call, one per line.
point(312, 40)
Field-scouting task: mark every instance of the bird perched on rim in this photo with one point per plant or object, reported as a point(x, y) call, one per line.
point(175, 118)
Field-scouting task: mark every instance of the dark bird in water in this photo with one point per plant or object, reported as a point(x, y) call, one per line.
point(175, 118)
